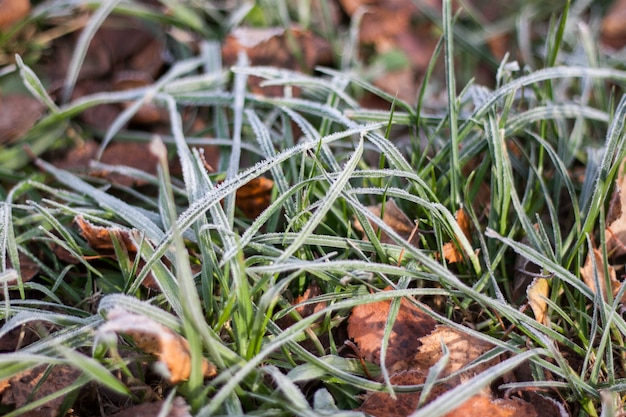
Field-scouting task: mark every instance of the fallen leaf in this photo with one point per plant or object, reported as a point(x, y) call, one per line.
point(29, 386)
point(171, 349)
point(616, 218)
point(394, 217)
point(537, 292)
point(101, 238)
point(613, 32)
point(450, 250)
point(149, 112)
point(254, 197)
point(382, 404)
point(588, 273)
point(12, 11)
point(366, 327)
point(18, 113)
point(275, 47)
point(480, 406)
point(28, 268)
point(463, 349)
point(178, 409)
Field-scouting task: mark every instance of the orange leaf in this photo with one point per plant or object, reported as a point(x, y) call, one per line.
point(171, 348)
point(366, 326)
point(450, 251)
point(254, 197)
point(99, 238)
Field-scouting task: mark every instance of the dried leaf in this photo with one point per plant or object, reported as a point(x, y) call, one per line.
point(20, 389)
point(254, 197)
point(616, 218)
point(100, 238)
point(18, 113)
point(148, 113)
point(179, 409)
point(588, 272)
point(394, 217)
point(480, 406)
point(537, 292)
point(382, 404)
point(366, 327)
point(28, 268)
point(613, 30)
point(12, 11)
point(463, 349)
point(275, 47)
point(450, 251)
point(171, 348)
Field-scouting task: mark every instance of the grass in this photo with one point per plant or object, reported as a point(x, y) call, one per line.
point(524, 139)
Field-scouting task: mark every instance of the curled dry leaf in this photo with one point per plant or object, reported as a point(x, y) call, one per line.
point(366, 327)
point(29, 386)
point(179, 408)
point(396, 219)
point(100, 238)
point(170, 348)
point(450, 251)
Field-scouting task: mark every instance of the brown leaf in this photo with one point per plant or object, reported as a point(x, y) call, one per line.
point(480, 406)
point(275, 47)
point(179, 409)
point(254, 197)
point(171, 348)
point(148, 113)
point(616, 218)
point(382, 404)
point(366, 327)
point(394, 217)
point(463, 349)
point(28, 268)
point(613, 31)
point(537, 292)
point(450, 251)
point(20, 389)
point(18, 113)
point(101, 238)
point(588, 272)
point(12, 11)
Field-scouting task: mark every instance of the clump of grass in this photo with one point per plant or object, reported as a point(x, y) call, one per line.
point(523, 140)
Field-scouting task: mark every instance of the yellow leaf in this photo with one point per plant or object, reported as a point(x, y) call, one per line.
point(537, 292)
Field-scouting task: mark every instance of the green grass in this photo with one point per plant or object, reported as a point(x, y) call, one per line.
point(524, 139)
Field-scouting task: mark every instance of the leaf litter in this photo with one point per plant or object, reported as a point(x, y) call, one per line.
point(415, 345)
point(171, 349)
